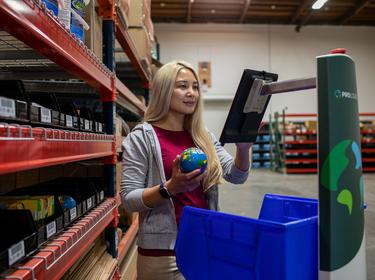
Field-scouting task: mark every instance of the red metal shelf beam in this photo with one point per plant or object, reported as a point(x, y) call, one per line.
point(62, 252)
point(301, 170)
point(302, 151)
point(23, 147)
point(127, 44)
point(301, 160)
point(39, 29)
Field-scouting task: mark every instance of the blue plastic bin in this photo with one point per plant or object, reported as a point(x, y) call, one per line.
point(52, 5)
point(281, 245)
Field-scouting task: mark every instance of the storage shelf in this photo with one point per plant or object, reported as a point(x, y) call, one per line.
point(299, 155)
point(23, 147)
point(127, 240)
point(48, 36)
point(61, 253)
point(127, 44)
point(56, 49)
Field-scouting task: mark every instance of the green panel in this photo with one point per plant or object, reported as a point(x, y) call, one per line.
point(341, 219)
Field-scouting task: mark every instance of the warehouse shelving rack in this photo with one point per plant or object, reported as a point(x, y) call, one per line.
point(31, 33)
point(295, 150)
point(262, 148)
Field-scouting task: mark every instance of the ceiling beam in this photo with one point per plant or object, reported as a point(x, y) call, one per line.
point(244, 12)
point(304, 20)
point(300, 9)
point(352, 12)
point(190, 3)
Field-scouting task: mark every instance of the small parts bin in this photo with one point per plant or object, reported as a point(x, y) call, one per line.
point(281, 245)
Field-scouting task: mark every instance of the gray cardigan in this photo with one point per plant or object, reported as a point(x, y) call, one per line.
point(143, 168)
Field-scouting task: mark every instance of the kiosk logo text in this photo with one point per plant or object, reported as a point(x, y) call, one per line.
point(341, 94)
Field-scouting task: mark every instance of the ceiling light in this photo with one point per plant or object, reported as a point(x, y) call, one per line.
point(213, 11)
point(318, 4)
point(273, 7)
point(162, 4)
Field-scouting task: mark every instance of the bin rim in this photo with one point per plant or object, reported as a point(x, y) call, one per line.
point(239, 218)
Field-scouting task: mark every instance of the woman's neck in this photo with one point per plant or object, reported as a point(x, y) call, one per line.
point(171, 122)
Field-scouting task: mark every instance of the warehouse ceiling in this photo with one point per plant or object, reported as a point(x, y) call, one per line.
point(293, 12)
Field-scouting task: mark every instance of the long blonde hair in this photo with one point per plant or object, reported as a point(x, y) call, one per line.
point(162, 88)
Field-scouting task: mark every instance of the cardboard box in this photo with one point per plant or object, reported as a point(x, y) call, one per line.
point(94, 36)
point(311, 125)
point(41, 207)
point(142, 43)
point(138, 11)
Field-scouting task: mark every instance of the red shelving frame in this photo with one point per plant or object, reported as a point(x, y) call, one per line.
point(301, 170)
point(313, 151)
point(24, 147)
point(63, 251)
point(301, 151)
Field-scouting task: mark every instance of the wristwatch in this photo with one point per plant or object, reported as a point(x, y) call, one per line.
point(163, 191)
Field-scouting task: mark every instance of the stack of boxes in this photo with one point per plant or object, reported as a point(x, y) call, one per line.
point(140, 28)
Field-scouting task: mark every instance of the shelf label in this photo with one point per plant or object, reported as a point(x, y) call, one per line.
point(51, 229)
point(89, 203)
point(87, 124)
point(7, 107)
point(73, 213)
point(45, 115)
point(69, 121)
point(16, 252)
point(101, 195)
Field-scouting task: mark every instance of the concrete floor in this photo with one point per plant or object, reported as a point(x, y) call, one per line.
point(246, 200)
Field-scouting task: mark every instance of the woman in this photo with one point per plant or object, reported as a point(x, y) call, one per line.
point(152, 183)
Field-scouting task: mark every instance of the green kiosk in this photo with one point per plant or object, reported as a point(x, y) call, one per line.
point(341, 205)
point(342, 254)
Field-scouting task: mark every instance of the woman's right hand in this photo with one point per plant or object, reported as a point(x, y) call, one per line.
point(183, 182)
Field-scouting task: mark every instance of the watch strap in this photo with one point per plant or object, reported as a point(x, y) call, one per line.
point(163, 191)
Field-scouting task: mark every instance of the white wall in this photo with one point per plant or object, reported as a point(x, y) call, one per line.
point(278, 49)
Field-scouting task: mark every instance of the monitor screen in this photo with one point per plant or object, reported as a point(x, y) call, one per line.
point(248, 108)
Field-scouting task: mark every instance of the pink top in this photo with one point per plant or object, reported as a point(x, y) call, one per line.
point(173, 143)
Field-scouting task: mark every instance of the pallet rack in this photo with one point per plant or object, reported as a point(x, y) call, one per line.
point(295, 148)
point(30, 32)
point(262, 148)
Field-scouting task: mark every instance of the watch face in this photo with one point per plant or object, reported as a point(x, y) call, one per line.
point(163, 191)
